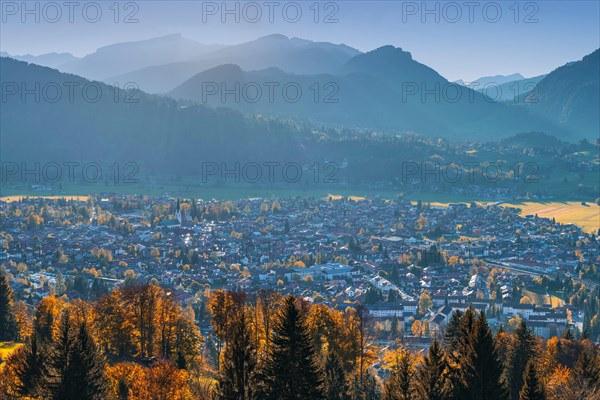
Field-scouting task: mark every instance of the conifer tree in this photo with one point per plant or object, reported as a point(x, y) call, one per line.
point(519, 355)
point(467, 325)
point(532, 387)
point(365, 386)
point(75, 367)
point(431, 376)
point(482, 365)
point(292, 372)
point(59, 386)
point(452, 331)
point(29, 368)
point(8, 325)
point(87, 367)
point(586, 373)
point(335, 382)
point(460, 369)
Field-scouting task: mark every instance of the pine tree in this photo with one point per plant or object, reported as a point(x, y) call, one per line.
point(8, 325)
point(236, 381)
point(431, 376)
point(461, 370)
point(87, 367)
point(364, 387)
point(519, 355)
point(586, 373)
point(465, 331)
point(59, 386)
point(30, 368)
point(482, 365)
point(532, 387)
point(292, 372)
point(335, 382)
point(75, 367)
point(452, 331)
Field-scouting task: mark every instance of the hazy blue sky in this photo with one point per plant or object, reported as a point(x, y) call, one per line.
point(459, 39)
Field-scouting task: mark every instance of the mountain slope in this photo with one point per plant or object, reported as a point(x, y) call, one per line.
point(154, 132)
point(52, 60)
point(120, 58)
point(492, 80)
point(510, 91)
point(570, 96)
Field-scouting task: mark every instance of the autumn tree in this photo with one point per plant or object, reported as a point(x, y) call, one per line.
point(165, 382)
point(425, 302)
point(399, 385)
point(23, 321)
point(115, 328)
point(47, 318)
point(222, 306)
point(267, 303)
point(127, 381)
point(237, 369)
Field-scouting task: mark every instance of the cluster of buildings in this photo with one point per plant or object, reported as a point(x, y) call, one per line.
point(381, 253)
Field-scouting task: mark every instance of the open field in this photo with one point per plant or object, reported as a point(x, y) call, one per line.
point(10, 199)
point(6, 349)
point(587, 217)
point(538, 298)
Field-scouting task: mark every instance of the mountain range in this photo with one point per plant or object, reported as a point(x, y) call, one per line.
point(491, 80)
point(384, 89)
point(293, 55)
point(52, 60)
point(121, 58)
point(503, 87)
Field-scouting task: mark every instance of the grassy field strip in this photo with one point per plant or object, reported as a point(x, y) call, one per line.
point(587, 217)
point(10, 199)
point(538, 298)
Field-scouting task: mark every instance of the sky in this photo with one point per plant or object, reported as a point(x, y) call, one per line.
point(459, 39)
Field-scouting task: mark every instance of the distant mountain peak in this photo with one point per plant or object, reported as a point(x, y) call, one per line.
point(172, 37)
point(274, 36)
point(391, 51)
point(391, 62)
